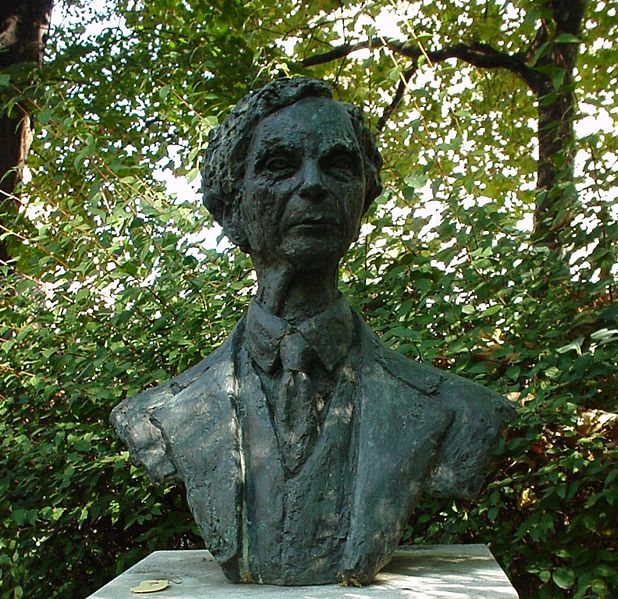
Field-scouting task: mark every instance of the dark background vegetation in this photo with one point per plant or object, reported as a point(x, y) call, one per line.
point(108, 285)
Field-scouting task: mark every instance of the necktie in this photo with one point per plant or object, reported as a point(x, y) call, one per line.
point(295, 414)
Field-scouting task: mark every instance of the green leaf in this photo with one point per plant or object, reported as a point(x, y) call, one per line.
point(44, 116)
point(563, 577)
point(542, 49)
point(604, 334)
point(395, 74)
point(567, 38)
point(492, 310)
point(557, 78)
point(573, 345)
point(544, 575)
point(552, 372)
point(417, 180)
point(19, 516)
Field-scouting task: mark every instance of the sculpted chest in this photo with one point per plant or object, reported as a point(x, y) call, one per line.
point(395, 432)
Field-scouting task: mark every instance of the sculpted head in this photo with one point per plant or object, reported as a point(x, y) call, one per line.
point(290, 172)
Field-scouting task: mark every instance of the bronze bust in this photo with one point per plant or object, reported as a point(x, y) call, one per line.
point(304, 443)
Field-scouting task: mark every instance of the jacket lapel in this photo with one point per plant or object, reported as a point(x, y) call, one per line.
point(399, 431)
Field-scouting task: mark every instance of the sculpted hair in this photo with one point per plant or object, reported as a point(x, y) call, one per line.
point(228, 144)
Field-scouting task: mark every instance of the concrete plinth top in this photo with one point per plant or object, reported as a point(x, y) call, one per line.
point(421, 572)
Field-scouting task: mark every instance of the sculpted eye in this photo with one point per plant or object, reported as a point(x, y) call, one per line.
point(342, 165)
point(278, 164)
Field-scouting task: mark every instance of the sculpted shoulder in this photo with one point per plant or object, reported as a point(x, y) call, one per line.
point(478, 416)
point(132, 419)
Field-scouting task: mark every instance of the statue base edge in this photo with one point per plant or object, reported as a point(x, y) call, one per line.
point(417, 572)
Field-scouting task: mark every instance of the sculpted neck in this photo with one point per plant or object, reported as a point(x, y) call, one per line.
point(296, 294)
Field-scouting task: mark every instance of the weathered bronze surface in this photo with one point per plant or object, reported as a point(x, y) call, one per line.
point(304, 443)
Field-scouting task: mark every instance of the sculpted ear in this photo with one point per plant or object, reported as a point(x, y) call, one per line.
point(218, 196)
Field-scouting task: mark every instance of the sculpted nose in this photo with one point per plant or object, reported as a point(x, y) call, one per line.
point(311, 185)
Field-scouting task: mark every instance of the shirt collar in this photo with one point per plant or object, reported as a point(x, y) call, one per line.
point(329, 334)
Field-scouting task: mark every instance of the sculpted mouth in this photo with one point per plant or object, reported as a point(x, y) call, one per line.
point(315, 222)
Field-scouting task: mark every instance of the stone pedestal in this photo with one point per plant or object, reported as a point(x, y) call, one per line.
point(422, 572)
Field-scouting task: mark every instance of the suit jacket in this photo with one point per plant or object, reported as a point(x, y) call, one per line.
point(420, 430)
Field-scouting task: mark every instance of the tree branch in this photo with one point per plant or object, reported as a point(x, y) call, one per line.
point(397, 98)
point(336, 53)
point(478, 55)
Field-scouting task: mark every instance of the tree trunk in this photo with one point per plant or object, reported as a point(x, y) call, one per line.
point(555, 201)
point(23, 28)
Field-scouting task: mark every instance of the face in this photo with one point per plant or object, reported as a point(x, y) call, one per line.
point(304, 185)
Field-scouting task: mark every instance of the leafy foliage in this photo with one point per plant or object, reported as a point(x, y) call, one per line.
point(113, 287)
